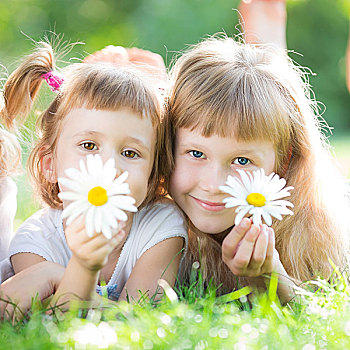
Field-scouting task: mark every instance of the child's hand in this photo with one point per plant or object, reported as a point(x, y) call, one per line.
point(148, 61)
point(117, 55)
point(39, 280)
point(92, 252)
point(144, 60)
point(249, 250)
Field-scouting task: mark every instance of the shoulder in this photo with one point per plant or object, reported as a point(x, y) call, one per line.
point(43, 222)
point(156, 223)
point(40, 234)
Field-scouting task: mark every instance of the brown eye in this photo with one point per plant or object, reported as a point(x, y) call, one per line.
point(130, 154)
point(89, 146)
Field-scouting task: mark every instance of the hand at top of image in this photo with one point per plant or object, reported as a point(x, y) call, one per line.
point(144, 60)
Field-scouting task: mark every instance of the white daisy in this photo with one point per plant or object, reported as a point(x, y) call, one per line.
point(97, 194)
point(258, 195)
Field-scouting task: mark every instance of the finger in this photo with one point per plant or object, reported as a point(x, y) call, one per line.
point(231, 241)
point(118, 239)
point(267, 266)
point(259, 253)
point(244, 252)
point(137, 55)
point(99, 257)
point(95, 242)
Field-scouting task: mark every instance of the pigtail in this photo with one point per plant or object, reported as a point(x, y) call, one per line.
point(22, 86)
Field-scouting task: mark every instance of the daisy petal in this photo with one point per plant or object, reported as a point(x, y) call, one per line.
point(269, 191)
point(240, 215)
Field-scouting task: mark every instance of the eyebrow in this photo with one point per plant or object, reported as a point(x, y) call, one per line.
point(92, 133)
point(87, 133)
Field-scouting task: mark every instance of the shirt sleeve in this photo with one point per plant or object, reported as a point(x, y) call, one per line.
point(37, 236)
point(8, 206)
point(164, 220)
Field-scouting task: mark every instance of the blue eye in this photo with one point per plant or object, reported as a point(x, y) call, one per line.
point(196, 154)
point(241, 161)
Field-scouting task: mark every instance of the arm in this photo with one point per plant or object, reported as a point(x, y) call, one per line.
point(89, 255)
point(264, 22)
point(153, 265)
point(21, 261)
point(249, 251)
point(39, 280)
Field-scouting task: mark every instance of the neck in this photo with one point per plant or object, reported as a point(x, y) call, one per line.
point(218, 237)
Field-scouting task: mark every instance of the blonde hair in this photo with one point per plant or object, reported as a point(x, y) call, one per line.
point(253, 92)
point(10, 149)
point(92, 86)
point(10, 154)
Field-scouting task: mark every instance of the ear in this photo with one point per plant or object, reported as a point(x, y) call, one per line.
point(48, 168)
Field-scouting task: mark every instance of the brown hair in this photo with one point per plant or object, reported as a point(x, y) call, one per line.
point(92, 86)
point(223, 87)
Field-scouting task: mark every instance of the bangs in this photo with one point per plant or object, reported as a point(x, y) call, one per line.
point(243, 109)
point(105, 87)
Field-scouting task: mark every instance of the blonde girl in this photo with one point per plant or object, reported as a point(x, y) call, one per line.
point(113, 112)
point(10, 155)
point(239, 106)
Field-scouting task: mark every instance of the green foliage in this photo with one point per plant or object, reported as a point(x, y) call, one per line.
point(313, 320)
point(316, 29)
point(319, 31)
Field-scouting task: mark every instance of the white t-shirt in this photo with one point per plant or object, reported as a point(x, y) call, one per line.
point(8, 207)
point(43, 234)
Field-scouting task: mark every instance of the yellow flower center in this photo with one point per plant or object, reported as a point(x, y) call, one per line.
point(256, 199)
point(97, 196)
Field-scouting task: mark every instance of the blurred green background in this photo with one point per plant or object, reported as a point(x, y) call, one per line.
point(317, 29)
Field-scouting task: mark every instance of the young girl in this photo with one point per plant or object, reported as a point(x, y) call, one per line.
point(238, 106)
point(113, 112)
point(10, 156)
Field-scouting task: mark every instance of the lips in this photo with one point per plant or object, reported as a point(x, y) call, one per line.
point(210, 206)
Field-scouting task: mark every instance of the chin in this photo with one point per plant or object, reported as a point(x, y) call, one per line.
point(210, 229)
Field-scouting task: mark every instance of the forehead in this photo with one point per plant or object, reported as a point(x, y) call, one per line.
point(186, 137)
point(108, 123)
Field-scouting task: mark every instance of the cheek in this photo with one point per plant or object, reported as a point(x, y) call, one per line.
point(270, 164)
point(182, 178)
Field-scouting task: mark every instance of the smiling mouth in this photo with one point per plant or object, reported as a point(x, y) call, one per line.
point(210, 206)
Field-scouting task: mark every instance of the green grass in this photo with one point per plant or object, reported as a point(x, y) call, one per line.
point(196, 319)
point(314, 320)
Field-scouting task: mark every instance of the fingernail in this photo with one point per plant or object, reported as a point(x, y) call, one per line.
point(255, 230)
point(245, 223)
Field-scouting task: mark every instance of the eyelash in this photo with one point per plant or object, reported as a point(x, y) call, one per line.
point(136, 155)
point(191, 153)
point(235, 161)
point(89, 143)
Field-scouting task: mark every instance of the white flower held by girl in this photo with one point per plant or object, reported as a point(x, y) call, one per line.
point(257, 194)
point(97, 194)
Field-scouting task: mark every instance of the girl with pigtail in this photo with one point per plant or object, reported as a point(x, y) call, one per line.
point(237, 107)
point(102, 115)
point(10, 155)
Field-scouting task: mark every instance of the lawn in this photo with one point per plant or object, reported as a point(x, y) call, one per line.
point(194, 319)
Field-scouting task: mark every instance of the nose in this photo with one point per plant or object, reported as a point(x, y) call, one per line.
point(112, 154)
point(212, 177)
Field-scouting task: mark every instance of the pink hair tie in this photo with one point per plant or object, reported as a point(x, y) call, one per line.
point(53, 80)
